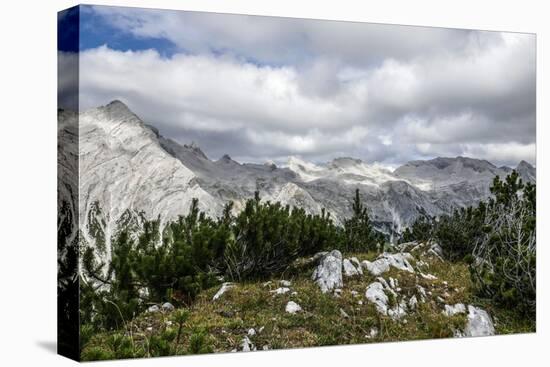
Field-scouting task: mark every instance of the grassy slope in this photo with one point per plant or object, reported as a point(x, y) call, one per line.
point(221, 325)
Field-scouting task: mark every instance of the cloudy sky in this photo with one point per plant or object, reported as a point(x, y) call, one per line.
point(264, 88)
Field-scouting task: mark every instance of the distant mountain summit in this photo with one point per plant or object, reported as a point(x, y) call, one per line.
point(527, 171)
point(128, 170)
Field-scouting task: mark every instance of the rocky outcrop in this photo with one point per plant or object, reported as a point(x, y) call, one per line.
point(328, 273)
point(479, 323)
point(383, 263)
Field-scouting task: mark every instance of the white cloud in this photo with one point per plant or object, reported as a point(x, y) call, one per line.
point(387, 94)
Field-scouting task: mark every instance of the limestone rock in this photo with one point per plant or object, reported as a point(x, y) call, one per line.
point(382, 264)
point(247, 345)
point(479, 323)
point(281, 290)
point(413, 303)
point(285, 283)
point(328, 274)
point(349, 268)
point(224, 288)
point(454, 309)
point(375, 294)
point(292, 307)
point(399, 311)
point(153, 308)
point(167, 306)
point(344, 314)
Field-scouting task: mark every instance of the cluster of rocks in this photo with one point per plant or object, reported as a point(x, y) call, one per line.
point(246, 343)
point(291, 306)
point(331, 269)
point(165, 307)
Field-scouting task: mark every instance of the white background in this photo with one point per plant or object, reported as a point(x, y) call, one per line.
point(28, 181)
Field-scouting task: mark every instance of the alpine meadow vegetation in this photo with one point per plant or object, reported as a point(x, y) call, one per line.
point(490, 250)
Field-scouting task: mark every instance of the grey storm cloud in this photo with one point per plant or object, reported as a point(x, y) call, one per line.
point(264, 88)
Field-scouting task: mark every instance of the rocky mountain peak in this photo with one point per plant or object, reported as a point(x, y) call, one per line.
point(117, 108)
point(226, 159)
point(194, 147)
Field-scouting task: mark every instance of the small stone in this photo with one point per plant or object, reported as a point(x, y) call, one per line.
point(285, 283)
point(167, 306)
point(281, 290)
point(373, 333)
point(251, 332)
point(149, 328)
point(413, 303)
point(265, 347)
point(344, 314)
point(292, 307)
point(399, 311)
point(153, 308)
point(224, 288)
point(428, 276)
point(246, 344)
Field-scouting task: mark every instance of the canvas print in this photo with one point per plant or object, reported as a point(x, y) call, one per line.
point(236, 183)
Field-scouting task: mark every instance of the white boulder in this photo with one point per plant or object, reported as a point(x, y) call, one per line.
point(454, 309)
point(382, 264)
point(349, 269)
point(153, 308)
point(479, 323)
point(375, 294)
point(328, 274)
point(292, 307)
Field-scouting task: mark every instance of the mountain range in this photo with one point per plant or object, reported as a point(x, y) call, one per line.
point(129, 171)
